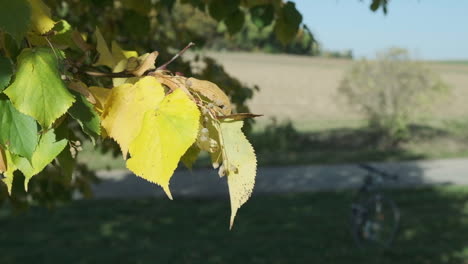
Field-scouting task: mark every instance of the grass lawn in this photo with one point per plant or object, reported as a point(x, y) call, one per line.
point(295, 228)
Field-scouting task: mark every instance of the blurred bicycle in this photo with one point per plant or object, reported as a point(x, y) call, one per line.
point(375, 218)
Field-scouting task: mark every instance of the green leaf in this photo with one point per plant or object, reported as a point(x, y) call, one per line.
point(83, 112)
point(288, 22)
point(220, 9)
point(67, 162)
point(62, 39)
point(65, 159)
point(15, 17)
point(18, 132)
point(38, 77)
point(190, 156)
point(235, 21)
point(46, 151)
point(239, 164)
point(10, 46)
point(262, 15)
point(6, 70)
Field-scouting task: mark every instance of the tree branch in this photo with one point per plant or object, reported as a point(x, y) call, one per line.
point(180, 53)
point(109, 74)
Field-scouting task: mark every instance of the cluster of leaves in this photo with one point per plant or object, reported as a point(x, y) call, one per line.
point(50, 78)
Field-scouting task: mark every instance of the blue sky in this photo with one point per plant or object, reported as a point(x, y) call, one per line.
point(430, 29)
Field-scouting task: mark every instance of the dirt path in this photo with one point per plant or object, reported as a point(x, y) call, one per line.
point(206, 182)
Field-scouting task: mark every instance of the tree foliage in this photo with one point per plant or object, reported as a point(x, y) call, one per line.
point(62, 83)
point(58, 85)
point(392, 92)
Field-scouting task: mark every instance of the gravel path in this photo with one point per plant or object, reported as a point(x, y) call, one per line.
point(206, 182)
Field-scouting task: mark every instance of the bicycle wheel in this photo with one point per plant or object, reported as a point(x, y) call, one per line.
point(374, 221)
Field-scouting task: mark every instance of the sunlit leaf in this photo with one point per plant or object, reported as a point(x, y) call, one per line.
point(105, 56)
point(101, 95)
point(38, 77)
point(239, 163)
point(124, 109)
point(46, 151)
point(165, 136)
point(9, 173)
point(41, 21)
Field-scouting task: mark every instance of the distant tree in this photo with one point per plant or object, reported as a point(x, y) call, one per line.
point(392, 92)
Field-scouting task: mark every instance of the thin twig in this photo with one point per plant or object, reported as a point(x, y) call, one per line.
point(180, 53)
point(109, 74)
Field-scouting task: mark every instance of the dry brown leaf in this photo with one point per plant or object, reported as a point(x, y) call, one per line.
point(147, 64)
point(173, 82)
point(212, 92)
point(81, 88)
point(80, 42)
point(3, 161)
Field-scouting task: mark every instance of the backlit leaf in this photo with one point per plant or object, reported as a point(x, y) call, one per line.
point(9, 173)
point(165, 136)
point(101, 95)
point(18, 132)
point(41, 22)
point(125, 107)
point(46, 151)
point(38, 77)
point(105, 56)
point(240, 164)
point(119, 54)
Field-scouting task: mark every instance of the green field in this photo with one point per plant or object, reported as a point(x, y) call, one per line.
point(295, 228)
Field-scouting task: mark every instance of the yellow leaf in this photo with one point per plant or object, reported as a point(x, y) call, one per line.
point(124, 110)
point(239, 164)
point(8, 174)
point(119, 54)
point(165, 136)
point(105, 56)
point(101, 95)
point(41, 22)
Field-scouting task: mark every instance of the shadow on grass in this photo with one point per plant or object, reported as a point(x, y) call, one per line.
point(290, 228)
point(282, 144)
